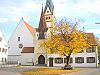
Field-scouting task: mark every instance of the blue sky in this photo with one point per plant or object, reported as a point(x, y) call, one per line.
point(11, 12)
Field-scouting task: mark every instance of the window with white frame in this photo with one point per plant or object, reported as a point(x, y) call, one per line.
point(90, 59)
point(58, 60)
point(79, 60)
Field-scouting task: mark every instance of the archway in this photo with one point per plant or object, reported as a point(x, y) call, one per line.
point(41, 59)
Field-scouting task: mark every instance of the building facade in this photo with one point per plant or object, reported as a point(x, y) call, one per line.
point(25, 44)
point(3, 49)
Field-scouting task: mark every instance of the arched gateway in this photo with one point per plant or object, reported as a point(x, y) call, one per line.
point(41, 59)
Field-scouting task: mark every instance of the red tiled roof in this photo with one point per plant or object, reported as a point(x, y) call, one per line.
point(31, 29)
point(28, 50)
point(91, 38)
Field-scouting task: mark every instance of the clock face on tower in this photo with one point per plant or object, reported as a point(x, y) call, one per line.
point(48, 24)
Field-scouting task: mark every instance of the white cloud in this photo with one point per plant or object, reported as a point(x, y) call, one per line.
point(63, 8)
point(14, 13)
point(78, 7)
point(95, 31)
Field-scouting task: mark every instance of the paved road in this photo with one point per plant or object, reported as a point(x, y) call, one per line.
point(8, 73)
point(16, 71)
point(13, 70)
point(87, 71)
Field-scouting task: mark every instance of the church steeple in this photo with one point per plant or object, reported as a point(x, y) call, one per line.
point(47, 19)
point(42, 23)
point(49, 4)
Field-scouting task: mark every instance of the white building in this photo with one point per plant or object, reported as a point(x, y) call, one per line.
point(3, 48)
point(25, 44)
point(22, 37)
point(87, 58)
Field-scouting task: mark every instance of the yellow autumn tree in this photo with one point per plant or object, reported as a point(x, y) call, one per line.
point(65, 39)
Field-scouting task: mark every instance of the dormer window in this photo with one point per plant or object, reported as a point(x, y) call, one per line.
point(0, 39)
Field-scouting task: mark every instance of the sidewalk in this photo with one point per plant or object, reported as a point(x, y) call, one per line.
point(8, 73)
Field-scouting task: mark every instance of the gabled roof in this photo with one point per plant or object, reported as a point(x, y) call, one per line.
point(91, 38)
point(30, 28)
point(28, 50)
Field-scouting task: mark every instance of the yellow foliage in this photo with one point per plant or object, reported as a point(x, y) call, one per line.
point(66, 39)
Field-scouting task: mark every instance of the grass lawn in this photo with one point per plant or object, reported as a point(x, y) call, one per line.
point(48, 71)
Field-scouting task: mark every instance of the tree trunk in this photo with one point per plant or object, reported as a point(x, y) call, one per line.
point(67, 59)
point(67, 66)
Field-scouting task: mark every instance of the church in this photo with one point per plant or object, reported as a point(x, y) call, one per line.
point(24, 44)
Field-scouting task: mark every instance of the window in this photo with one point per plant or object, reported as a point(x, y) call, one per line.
point(18, 38)
point(37, 34)
point(79, 60)
point(70, 60)
point(46, 18)
point(2, 60)
point(0, 39)
point(59, 60)
point(5, 59)
point(47, 11)
point(90, 59)
point(91, 49)
point(4, 50)
point(49, 17)
point(20, 45)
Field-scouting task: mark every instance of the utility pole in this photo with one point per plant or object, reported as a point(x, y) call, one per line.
point(97, 51)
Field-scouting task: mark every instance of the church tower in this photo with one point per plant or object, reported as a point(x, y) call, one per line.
point(49, 14)
point(47, 19)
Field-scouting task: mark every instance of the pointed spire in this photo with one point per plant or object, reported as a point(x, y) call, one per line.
point(42, 25)
point(49, 4)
